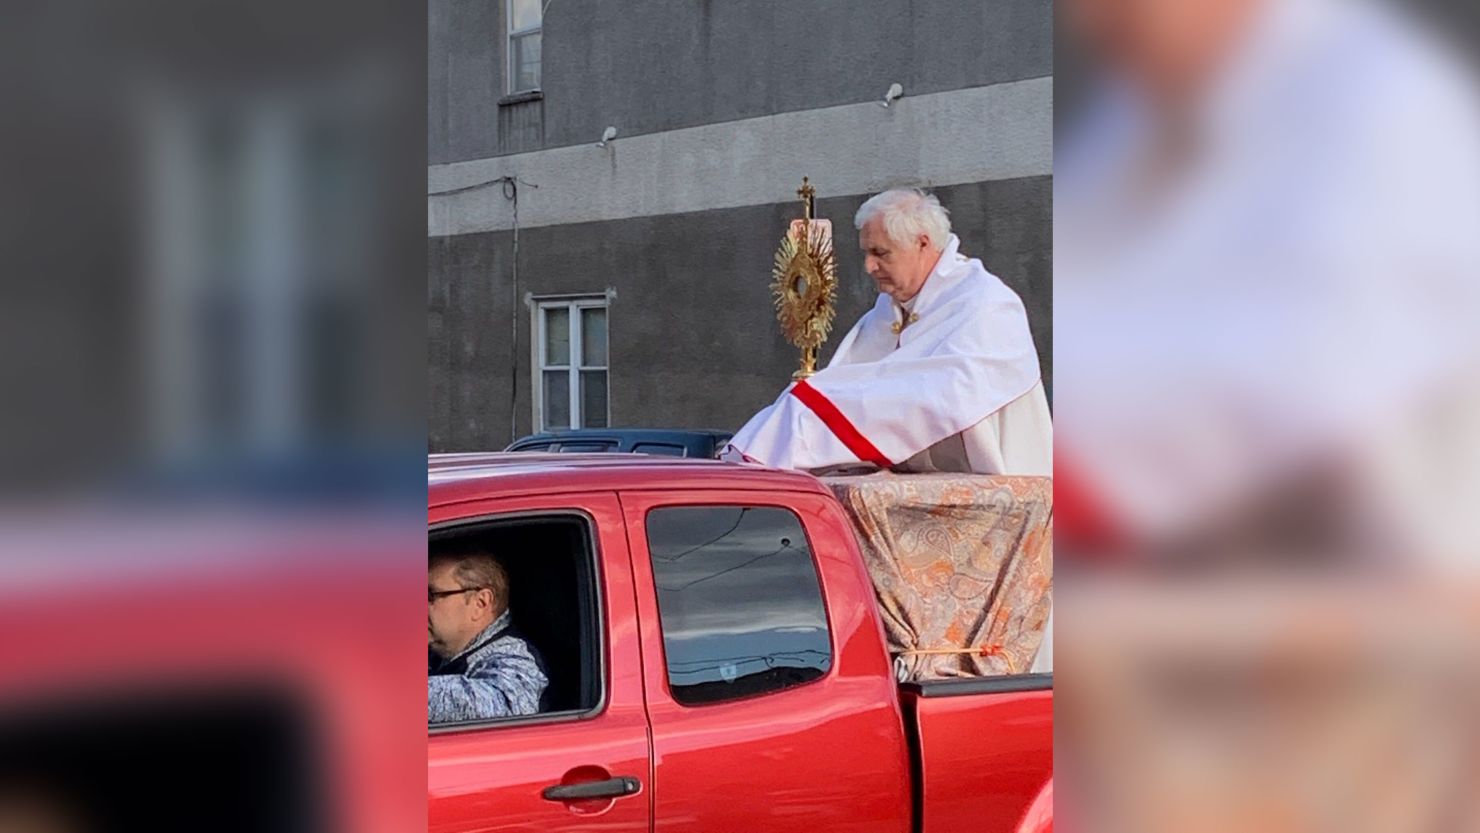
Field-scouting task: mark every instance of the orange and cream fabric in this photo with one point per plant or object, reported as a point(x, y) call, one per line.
point(962, 566)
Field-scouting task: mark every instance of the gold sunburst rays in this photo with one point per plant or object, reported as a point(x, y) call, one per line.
point(804, 284)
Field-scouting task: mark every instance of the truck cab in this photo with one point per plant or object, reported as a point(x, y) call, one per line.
point(716, 662)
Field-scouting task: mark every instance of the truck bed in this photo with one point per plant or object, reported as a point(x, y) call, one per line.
point(962, 565)
point(982, 748)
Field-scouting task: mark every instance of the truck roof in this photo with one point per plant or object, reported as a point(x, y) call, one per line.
point(454, 478)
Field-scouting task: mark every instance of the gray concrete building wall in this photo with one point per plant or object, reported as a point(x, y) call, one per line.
point(721, 108)
point(661, 65)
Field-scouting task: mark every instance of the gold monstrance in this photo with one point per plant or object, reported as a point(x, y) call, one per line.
point(804, 282)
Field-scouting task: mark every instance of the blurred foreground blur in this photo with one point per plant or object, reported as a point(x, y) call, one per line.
point(1267, 248)
point(211, 348)
point(1311, 704)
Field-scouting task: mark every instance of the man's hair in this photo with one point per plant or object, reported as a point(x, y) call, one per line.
point(907, 213)
point(479, 569)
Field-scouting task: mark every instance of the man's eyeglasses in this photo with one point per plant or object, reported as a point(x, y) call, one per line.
point(434, 595)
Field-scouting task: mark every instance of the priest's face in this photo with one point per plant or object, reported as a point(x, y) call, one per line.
point(899, 269)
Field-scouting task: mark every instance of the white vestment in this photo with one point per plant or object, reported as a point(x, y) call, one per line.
point(957, 388)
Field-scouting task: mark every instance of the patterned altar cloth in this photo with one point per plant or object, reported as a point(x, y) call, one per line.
point(962, 565)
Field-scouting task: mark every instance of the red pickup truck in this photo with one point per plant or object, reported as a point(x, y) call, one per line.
point(717, 662)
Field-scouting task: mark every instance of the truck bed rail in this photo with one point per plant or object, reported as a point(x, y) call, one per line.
point(979, 685)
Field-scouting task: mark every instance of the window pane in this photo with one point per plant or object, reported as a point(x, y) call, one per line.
point(738, 601)
point(557, 399)
point(587, 448)
point(593, 337)
point(557, 336)
point(524, 14)
point(660, 448)
point(593, 398)
point(561, 581)
point(526, 62)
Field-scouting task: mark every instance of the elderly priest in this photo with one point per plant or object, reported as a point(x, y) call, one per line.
point(941, 375)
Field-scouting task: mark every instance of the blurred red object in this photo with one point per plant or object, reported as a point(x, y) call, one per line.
point(294, 646)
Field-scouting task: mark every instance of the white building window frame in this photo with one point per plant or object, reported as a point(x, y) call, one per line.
point(576, 361)
point(516, 34)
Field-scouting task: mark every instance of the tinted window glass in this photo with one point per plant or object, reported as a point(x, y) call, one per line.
point(739, 601)
point(582, 448)
point(659, 448)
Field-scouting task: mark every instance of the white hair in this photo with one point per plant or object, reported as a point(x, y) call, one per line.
point(907, 213)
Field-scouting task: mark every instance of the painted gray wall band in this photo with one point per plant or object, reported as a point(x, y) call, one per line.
point(980, 134)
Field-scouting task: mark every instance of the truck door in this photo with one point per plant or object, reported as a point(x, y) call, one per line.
point(583, 763)
point(768, 689)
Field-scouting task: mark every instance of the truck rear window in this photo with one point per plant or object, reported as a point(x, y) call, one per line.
point(739, 601)
point(587, 447)
point(667, 449)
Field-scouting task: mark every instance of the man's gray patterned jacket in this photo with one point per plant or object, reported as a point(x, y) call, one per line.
point(495, 676)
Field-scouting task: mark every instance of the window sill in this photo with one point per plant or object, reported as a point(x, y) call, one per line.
point(521, 98)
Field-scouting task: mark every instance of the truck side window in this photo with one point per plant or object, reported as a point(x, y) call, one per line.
point(553, 599)
point(739, 601)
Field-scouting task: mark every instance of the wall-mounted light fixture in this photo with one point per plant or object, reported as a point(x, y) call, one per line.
point(606, 136)
point(895, 91)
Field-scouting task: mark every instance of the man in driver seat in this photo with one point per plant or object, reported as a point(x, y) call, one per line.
point(481, 668)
